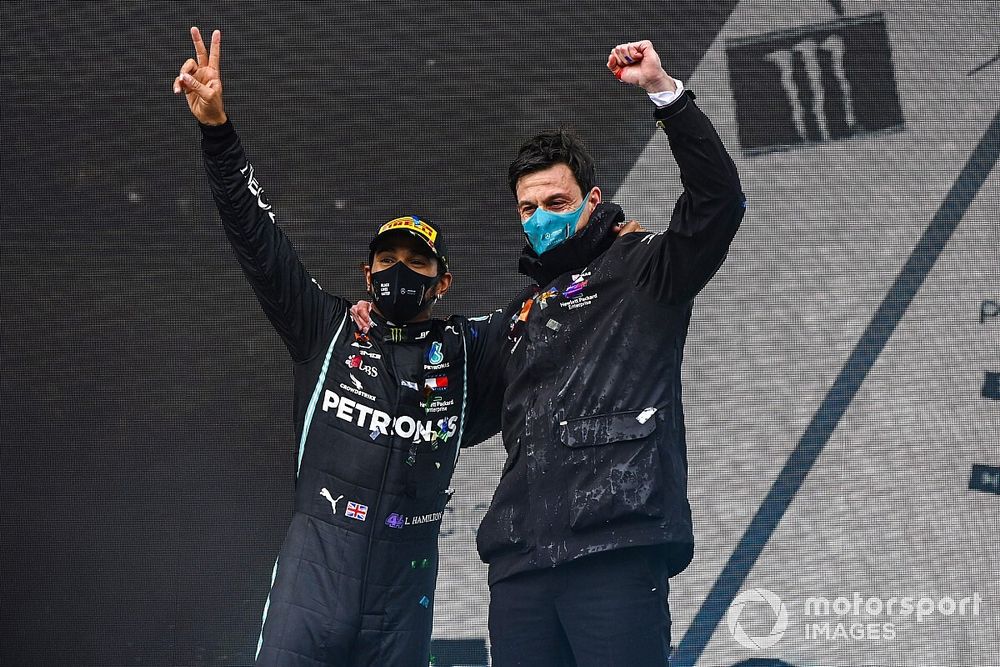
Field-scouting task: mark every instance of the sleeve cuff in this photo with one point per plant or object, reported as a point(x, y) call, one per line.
point(667, 97)
point(664, 114)
point(215, 138)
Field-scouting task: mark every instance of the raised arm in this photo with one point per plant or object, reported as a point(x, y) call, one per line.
point(677, 263)
point(298, 309)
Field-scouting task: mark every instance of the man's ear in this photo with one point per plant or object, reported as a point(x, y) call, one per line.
point(592, 200)
point(443, 284)
point(367, 270)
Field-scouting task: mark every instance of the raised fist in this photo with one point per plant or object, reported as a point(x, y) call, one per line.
point(637, 63)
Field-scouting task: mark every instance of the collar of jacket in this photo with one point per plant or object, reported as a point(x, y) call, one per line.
point(383, 329)
point(575, 252)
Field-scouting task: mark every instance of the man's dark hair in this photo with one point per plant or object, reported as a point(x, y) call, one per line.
point(561, 146)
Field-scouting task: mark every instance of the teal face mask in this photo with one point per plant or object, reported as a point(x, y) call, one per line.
point(545, 229)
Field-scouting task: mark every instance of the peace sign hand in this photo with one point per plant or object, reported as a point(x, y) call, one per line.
point(200, 81)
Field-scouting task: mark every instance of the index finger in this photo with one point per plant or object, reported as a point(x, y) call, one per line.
point(216, 52)
point(199, 47)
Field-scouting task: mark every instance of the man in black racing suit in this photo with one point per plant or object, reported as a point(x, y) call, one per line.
point(379, 417)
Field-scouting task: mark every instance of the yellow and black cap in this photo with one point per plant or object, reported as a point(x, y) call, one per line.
point(423, 230)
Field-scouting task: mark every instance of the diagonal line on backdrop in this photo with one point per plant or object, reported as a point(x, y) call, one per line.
point(840, 395)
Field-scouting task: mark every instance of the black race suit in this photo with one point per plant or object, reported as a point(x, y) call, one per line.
point(379, 420)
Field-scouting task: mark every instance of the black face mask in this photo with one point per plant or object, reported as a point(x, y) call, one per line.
point(400, 292)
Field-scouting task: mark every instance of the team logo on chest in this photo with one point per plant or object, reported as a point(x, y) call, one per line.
point(436, 383)
point(377, 422)
point(434, 354)
point(358, 362)
point(574, 293)
point(438, 404)
point(433, 402)
point(575, 287)
point(434, 360)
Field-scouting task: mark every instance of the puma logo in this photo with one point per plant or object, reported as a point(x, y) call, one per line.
point(326, 494)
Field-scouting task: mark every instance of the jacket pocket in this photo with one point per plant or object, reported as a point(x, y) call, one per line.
point(614, 468)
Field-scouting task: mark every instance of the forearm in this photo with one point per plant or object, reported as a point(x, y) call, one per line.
point(707, 171)
point(707, 215)
point(246, 216)
point(287, 294)
point(488, 349)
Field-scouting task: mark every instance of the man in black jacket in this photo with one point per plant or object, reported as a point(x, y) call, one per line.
point(379, 416)
point(591, 514)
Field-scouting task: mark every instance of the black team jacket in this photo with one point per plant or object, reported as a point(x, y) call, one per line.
point(592, 422)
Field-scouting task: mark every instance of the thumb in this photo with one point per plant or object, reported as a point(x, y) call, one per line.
point(615, 66)
point(201, 90)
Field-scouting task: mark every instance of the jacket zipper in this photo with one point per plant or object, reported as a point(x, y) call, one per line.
point(385, 473)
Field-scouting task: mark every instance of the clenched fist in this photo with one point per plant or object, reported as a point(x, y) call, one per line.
point(200, 81)
point(637, 63)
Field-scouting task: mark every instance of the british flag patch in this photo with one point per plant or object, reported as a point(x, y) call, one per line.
point(356, 511)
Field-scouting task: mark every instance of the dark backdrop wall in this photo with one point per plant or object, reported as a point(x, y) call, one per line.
point(843, 373)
